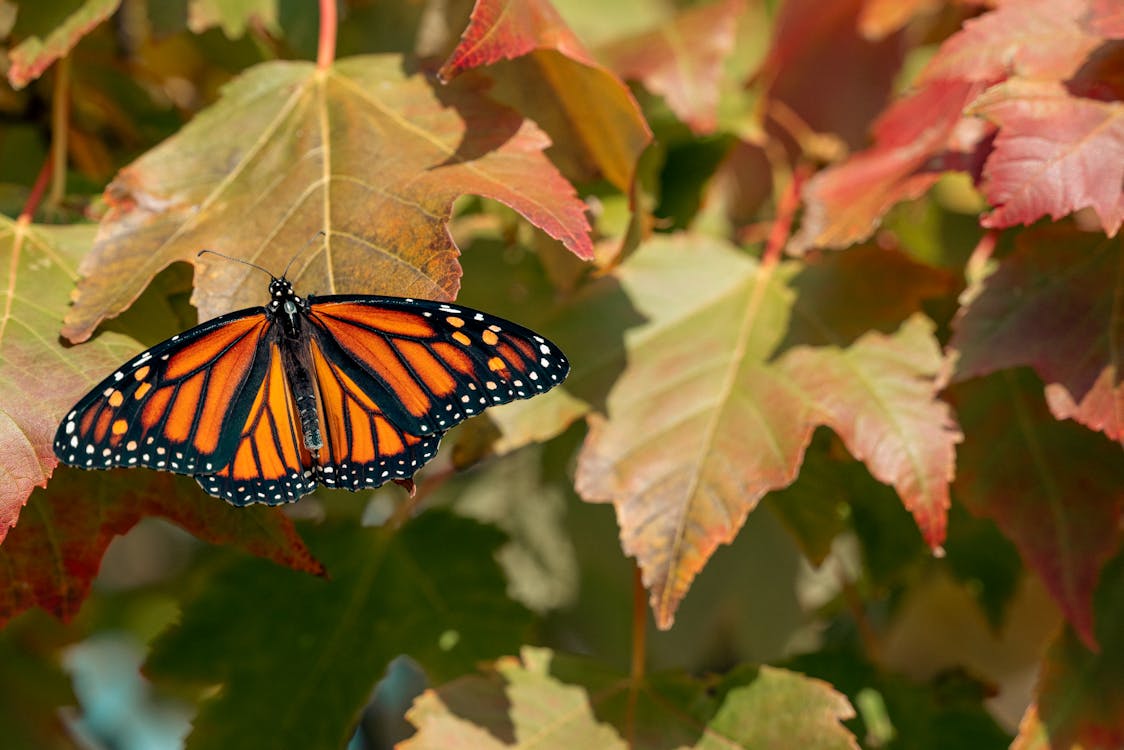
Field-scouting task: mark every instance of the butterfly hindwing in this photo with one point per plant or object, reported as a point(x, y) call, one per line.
point(430, 365)
point(270, 463)
point(362, 447)
point(175, 406)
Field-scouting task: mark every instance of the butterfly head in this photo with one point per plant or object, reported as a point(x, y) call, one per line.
point(279, 289)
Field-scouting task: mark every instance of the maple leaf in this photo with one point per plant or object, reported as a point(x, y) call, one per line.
point(503, 30)
point(34, 54)
point(549, 701)
point(557, 84)
point(1050, 304)
point(1052, 487)
point(880, 18)
point(682, 60)
point(1055, 153)
point(1079, 701)
point(916, 139)
point(1046, 39)
point(370, 155)
point(822, 69)
point(1106, 19)
point(50, 559)
point(432, 590)
point(729, 376)
point(40, 378)
point(233, 18)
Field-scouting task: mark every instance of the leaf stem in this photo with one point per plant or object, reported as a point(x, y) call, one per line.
point(326, 50)
point(60, 119)
point(786, 211)
point(37, 190)
point(639, 650)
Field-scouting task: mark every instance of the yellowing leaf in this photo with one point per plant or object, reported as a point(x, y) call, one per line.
point(34, 55)
point(40, 378)
point(733, 369)
point(367, 153)
point(232, 15)
point(543, 711)
point(553, 702)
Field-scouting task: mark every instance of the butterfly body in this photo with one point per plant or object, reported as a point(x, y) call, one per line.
point(265, 404)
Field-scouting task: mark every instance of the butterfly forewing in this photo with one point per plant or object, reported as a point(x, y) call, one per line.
point(442, 363)
point(176, 406)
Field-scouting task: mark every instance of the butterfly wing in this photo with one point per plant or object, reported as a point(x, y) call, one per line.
point(362, 447)
point(177, 405)
point(428, 365)
point(392, 375)
point(271, 463)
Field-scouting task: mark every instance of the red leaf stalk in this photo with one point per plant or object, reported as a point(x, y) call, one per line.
point(37, 190)
point(786, 210)
point(326, 50)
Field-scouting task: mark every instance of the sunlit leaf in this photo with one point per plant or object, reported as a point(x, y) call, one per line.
point(543, 700)
point(40, 378)
point(556, 83)
point(432, 591)
point(36, 53)
point(369, 154)
point(1032, 38)
point(506, 29)
point(732, 370)
point(520, 705)
point(845, 203)
point(232, 17)
point(880, 18)
point(1055, 153)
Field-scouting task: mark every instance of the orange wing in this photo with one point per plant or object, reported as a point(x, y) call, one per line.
point(174, 407)
point(270, 464)
point(362, 449)
point(428, 365)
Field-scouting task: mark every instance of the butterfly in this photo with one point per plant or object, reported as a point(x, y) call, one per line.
point(265, 404)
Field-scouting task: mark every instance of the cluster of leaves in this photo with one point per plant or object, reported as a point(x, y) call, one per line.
point(851, 256)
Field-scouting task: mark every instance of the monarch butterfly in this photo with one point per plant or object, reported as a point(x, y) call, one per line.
point(264, 404)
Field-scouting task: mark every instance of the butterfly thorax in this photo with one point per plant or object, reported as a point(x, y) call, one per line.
point(286, 306)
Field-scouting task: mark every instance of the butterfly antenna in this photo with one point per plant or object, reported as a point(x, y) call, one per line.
point(304, 247)
point(236, 260)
